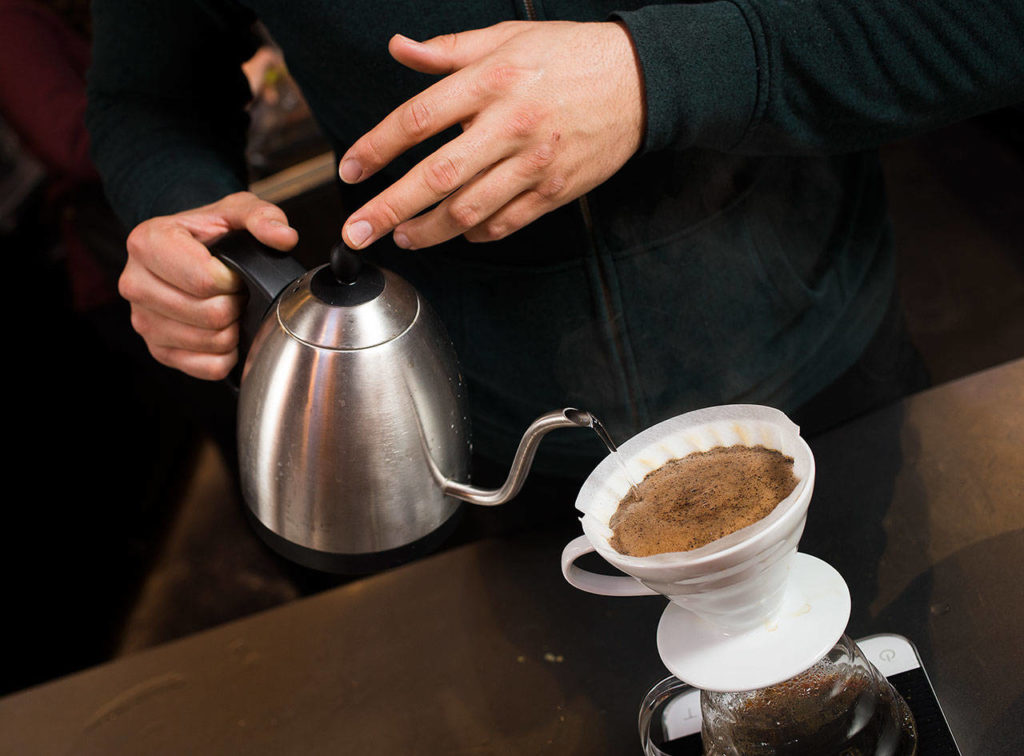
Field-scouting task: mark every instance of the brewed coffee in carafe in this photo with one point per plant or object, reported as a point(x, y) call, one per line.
point(842, 705)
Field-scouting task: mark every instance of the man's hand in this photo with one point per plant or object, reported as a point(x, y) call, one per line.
point(549, 110)
point(185, 302)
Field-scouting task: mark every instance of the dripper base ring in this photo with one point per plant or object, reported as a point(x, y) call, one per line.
point(814, 612)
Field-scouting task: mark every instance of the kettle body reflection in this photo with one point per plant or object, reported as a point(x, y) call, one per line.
point(353, 423)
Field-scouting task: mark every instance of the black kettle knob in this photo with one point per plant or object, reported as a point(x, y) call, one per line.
point(345, 264)
point(346, 281)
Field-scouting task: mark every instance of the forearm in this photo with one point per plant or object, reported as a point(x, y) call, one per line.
point(155, 159)
point(166, 104)
point(809, 76)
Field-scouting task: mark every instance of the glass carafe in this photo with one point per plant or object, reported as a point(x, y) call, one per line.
point(841, 705)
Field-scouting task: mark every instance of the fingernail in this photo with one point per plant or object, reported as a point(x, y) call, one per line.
point(275, 222)
point(351, 170)
point(359, 232)
point(401, 240)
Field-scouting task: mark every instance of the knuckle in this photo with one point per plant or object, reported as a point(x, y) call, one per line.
point(140, 323)
point(220, 367)
point(126, 286)
point(387, 213)
point(238, 200)
point(225, 340)
point(522, 123)
point(448, 42)
point(540, 157)
point(495, 230)
point(553, 188)
point(463, 215)
point(163, 355)
point(143, 236)
point(442, 175)
point(136, 241)
point(216, 372)
point(370, 150)
point(498, 77)
point(219, 313)
point(415, 119)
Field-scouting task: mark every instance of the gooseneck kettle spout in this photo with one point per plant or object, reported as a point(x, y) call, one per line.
point(566, 418)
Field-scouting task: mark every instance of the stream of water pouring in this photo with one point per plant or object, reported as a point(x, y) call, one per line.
point(605, 437)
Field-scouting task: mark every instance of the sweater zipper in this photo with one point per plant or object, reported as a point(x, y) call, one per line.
point(614, 329)
point(588, 223)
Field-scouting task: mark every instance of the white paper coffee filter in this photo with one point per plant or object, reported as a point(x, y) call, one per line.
point(701, 430)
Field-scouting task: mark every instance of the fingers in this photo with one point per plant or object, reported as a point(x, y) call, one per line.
point(185, 302)
point(521, 211)
point(459, 98)
point(169, 252)
point(453, 100)
point(199, 352)
point(560, 102)
point(429, 182)
point(450, 52)
point(207, 367)
point(198, 335)
point(481, 208)
point(265, 221)
point(163, 332)
point(215, 309)
point(446, 103)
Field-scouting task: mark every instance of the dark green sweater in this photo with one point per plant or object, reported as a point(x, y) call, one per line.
point(742, 256)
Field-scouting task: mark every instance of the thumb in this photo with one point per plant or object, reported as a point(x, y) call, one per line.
point(264, 220)
point(450, 52)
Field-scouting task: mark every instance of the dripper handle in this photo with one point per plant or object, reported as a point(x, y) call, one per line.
point(592, 582)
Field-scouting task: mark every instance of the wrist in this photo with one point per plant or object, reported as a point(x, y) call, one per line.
point(700, 73)
point(632, 81)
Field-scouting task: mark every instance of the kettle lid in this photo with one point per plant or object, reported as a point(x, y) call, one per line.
point(348, 304)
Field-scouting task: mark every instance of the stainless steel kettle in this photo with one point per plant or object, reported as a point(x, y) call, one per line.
point(353, 428)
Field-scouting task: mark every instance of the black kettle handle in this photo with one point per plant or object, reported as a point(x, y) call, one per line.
point(265, 271)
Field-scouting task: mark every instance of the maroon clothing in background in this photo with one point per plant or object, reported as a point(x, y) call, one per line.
point(42, 88)
point(43, 63)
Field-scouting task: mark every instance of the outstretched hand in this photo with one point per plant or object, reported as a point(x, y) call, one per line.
point(549, 110)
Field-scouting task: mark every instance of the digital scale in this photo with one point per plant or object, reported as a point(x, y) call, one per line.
point(893, 655)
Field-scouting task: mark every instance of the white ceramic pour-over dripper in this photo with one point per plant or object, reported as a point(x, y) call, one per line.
point(745, 613)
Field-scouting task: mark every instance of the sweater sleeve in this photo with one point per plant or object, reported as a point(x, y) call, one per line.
point(814, 76)
point(166, 112)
